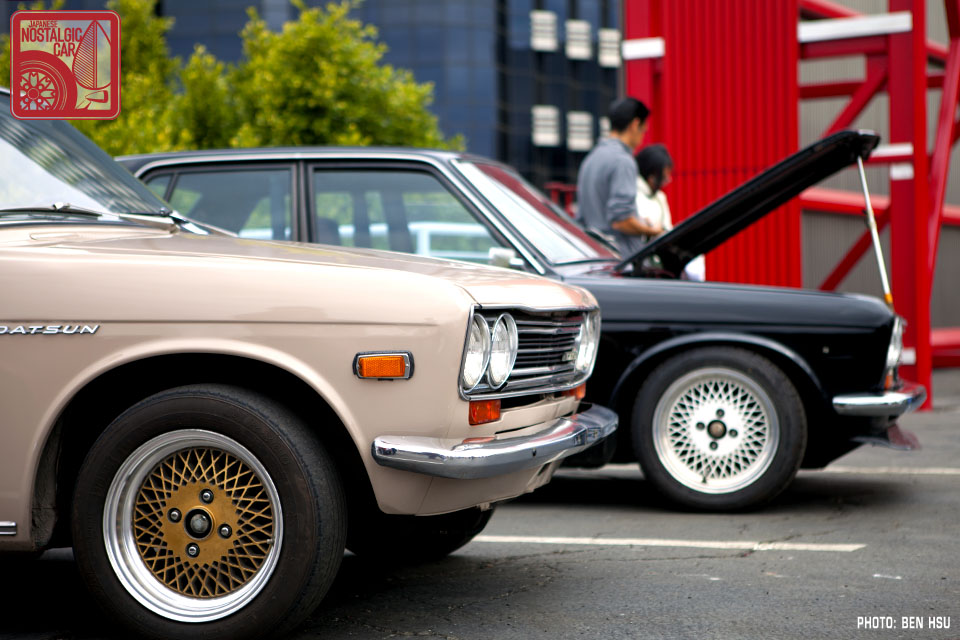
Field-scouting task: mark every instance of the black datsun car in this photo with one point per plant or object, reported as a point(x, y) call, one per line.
point(724, 391)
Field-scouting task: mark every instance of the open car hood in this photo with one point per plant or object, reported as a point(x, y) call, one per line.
point(738, 209)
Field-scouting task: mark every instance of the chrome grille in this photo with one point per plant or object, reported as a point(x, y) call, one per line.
point(546, 354)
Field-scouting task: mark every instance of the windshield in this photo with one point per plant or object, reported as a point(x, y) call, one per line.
point(555, 235)
point(48, 161)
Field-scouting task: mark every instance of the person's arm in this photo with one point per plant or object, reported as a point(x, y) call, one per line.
point(636, 227)
point(622, 203)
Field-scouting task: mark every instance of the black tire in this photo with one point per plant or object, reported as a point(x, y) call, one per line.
point(295, 497)
point(703, 458)
point(415, 539)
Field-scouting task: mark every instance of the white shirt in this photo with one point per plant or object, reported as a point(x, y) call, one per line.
point(652, 209)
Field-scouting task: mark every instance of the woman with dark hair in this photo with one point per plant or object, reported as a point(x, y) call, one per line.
point(655, 168)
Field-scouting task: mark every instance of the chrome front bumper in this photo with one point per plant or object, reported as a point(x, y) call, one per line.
point(881, 404)
point(558, 439)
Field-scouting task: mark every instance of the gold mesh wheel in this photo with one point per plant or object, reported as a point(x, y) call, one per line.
point(203, 522)
point(193, 525)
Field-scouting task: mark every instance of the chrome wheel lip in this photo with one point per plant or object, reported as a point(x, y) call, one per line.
point(668, 442)
point(120, 542)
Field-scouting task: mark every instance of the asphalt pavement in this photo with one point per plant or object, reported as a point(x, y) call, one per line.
point(868, 548)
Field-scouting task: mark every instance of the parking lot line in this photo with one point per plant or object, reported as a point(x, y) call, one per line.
point(659, 542)
point(906, 471)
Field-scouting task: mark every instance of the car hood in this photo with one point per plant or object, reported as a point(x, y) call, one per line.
point(647, 302)
point(486, 285)
point(738, 209)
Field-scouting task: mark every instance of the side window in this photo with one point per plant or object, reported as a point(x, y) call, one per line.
point(255, 203)
point(158, 184)
point(399, 210)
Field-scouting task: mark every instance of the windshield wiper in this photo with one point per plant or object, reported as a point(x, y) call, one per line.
point(57, 207)
point(147, 219)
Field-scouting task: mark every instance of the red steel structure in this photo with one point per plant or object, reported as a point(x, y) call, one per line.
point(722, 79)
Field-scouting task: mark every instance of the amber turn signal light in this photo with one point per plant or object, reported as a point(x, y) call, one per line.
point(383, 365)
point(483, 411)
point(578, 392)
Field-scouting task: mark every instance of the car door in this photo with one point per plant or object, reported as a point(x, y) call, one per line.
point(252, 199)
point(402, 206)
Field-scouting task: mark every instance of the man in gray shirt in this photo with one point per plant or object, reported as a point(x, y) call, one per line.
point(607, 181)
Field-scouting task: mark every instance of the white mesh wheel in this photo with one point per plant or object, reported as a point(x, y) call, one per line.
point(715, 430)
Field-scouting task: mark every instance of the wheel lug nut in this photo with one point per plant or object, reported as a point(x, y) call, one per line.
point(225, 531)
point(193, 550)
point(713, 446)
point(206, 496)
point(720, 413)
point(701, 426)
point(733, 433)
point(174, 515)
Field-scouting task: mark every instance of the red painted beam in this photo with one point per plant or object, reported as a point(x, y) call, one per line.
point(943, 141)
point(851, 203)
point(945, 344)
point(836, 201)
point(849, 261)
point(820, 9)
point(849, 87)
point(829, 89)
point(876, 77)
point(870, 45)
point(909, 197)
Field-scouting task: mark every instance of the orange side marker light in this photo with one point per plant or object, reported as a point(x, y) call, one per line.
point(483, 411)
point(383, 366)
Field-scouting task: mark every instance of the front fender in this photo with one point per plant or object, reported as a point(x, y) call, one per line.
point(660, 351)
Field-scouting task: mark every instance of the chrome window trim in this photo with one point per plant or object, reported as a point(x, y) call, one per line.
point(451, 176)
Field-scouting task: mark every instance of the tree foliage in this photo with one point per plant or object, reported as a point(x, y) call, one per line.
point(321, 80)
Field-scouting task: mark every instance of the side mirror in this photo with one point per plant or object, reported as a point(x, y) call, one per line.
point(503, 257)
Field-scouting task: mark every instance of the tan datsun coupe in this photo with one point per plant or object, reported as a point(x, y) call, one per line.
point(210, 420)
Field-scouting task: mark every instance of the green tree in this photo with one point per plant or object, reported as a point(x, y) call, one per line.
point(321, 80)
point(148, 77)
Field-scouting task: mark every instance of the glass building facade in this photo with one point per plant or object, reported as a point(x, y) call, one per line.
point(524, 81)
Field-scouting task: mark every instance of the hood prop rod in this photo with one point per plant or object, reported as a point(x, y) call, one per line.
point(872, 224)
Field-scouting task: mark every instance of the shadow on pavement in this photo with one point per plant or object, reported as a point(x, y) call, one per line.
point(810, 491)
point(44, 598)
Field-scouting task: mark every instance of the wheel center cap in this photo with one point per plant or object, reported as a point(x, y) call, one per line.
point(198, 523)
point(717, 429)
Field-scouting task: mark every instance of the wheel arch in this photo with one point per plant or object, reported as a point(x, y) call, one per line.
point(98, 402)
point(789, 361)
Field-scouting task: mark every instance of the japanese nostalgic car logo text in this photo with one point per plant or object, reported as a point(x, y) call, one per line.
point(65, 64)
point(49, 329)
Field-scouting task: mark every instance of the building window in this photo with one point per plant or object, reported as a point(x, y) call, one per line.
point(579, 131)
point(579, 43)
point(608, 48)
point(546, 126)
point(543, 31)
point(604, 126)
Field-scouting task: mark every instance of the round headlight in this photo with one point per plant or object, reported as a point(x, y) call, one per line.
point(503, 350)
point(478, 353)
point(589, 338)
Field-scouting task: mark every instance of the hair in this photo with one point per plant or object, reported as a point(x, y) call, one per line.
point(624, 111)
point(652, 161)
